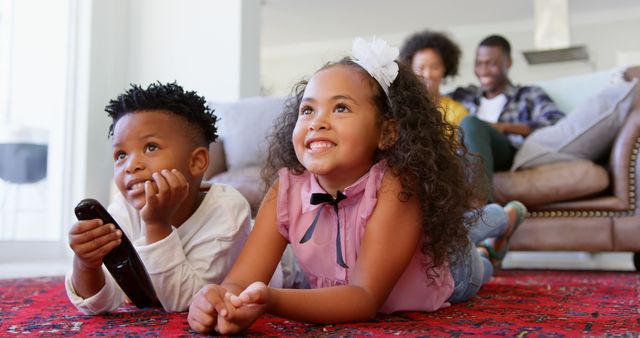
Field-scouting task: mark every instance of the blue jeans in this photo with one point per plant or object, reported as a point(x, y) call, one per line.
point(474, 270)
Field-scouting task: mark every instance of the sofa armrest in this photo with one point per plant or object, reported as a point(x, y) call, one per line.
point(217, 160)
point(624, 160)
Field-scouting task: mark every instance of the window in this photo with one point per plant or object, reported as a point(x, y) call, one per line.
point(34, 54)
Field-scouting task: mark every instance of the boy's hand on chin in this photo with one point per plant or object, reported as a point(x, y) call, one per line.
point(244, 309)
point(163, 197)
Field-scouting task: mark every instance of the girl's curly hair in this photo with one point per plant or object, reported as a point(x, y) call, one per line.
point(447, 49)
point(429, 160)
point(167, 97)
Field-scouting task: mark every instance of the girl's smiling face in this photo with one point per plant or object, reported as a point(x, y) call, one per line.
point(338, 128)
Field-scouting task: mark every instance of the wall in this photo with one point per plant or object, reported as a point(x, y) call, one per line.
point(99, 69)
point(607, 34)
point(208, 46)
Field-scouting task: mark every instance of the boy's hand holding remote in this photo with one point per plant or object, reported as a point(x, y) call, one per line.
point(90, 241)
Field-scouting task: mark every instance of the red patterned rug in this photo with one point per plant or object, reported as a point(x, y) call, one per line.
point(515, 303)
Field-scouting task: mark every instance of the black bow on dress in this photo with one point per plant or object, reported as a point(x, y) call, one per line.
point(320, 198)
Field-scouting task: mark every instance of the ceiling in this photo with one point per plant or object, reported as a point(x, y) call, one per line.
point(286, 22)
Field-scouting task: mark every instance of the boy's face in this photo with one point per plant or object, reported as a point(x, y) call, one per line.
point(145, 142)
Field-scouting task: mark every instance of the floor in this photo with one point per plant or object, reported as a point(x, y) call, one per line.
point(514, 260)
point(36, 268)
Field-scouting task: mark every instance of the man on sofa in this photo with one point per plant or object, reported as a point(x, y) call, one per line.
point(501, 114)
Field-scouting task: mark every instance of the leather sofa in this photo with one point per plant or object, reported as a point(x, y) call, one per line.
point(576, 205)
point(608, 220)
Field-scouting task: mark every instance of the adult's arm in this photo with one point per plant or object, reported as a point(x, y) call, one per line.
point(512, 128)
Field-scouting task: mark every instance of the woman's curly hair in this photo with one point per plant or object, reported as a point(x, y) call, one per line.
point(428, 159)
point(167, 97)
point(449, 51)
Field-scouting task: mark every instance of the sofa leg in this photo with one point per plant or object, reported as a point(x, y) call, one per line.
point(636, 260)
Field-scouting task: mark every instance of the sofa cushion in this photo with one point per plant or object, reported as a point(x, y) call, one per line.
point(244, 126)
point(560, 181)
point(586, 133)
point(247, 181)
point(570, 91)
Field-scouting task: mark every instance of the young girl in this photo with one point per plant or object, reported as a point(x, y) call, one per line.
point(371, 193)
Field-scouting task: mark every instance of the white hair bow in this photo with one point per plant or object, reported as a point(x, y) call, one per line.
point(378, 59)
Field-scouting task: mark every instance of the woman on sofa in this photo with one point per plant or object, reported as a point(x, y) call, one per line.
point(434, 58)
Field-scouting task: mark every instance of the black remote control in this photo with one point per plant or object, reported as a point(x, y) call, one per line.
point(123, 261)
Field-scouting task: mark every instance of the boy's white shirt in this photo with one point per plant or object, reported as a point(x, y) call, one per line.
point(201, 251)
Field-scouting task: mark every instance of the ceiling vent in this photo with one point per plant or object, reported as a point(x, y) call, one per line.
point(551, 34)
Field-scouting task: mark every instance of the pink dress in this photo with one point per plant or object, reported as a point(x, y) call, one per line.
point(414, 291)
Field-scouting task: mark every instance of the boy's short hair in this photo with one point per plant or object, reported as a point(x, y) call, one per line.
point(497, 41)
point(168, 97)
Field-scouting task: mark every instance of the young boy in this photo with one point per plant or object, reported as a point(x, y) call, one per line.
point(186, 233)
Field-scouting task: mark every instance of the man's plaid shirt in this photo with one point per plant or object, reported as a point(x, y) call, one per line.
point(525, 104)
